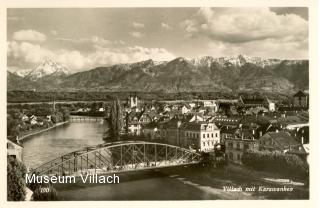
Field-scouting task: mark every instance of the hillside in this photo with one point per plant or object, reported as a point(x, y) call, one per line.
point(181, 75)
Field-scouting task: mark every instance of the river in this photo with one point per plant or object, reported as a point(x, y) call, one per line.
point(184, 183)
point(69, 137)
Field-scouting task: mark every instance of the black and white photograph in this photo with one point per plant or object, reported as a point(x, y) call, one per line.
point(157, 103)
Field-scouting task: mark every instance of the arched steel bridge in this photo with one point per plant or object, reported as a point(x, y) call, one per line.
point(118, 157)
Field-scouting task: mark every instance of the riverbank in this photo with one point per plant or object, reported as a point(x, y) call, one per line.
point(40, 131)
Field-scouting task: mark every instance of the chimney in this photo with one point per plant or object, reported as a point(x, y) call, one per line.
point(277, 130)
point(302, 140)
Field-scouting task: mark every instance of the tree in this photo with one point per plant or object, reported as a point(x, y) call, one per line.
point(16, 185)
point(115, 120)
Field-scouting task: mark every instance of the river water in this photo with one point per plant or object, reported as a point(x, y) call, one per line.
point(51, 144)
point(184, 183)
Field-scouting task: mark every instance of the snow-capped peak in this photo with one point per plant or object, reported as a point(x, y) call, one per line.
point(47, 67)
point(239, 60)
point(23, 72)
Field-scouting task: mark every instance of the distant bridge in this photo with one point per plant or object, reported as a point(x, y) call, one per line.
point(119, 157)
point(85, 119)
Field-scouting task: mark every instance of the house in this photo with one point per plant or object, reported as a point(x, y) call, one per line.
point(24, 118)
point(292, 122)
point(151, 131)
point(134, 128)
point(226, 132)
point(185, 109)
point(271, 105)
point(301, 99)
point(192, 105)
point(144, 118)
point(14, 149)
point(237, 142)
point(33, 120)
point(211, 104)
point(196, 118)
point(280, 141)
point(232, 121)
point(302, 135)
point(166, 108)
point(133, 123)
point(202, 136)
point(170, 131)
point(48, 117)
point(154, 116)
point(253, 101)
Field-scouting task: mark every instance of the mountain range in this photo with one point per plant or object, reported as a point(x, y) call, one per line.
point(225, 74)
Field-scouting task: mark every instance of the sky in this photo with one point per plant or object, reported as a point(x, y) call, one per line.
point(82, 39)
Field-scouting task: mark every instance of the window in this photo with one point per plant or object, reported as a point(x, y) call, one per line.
point(238, 157)
point(204, 136)
point(204, 144)
point(208, 135)
point(238, 145)
point(212, 135)
point(229, 144)
point(216, 134)
point(212, 143)
point(245, 146)
point(208, 144)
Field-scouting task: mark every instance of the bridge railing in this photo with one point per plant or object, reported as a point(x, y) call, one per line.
point(118, 157)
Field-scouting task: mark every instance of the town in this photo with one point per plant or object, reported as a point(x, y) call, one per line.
point(251, 122)
point(234, 126)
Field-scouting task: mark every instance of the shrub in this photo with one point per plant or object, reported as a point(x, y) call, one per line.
point(16, 185)
point(277, 162)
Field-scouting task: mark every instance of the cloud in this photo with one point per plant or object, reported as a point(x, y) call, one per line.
point(94, 40)
point(137, 25)
point(76, 60)
point(166, 26)
point(136, 34)
point(268, 48)
point(29, 35)
point(243, 29)
point(54, 32)
point(236, 25)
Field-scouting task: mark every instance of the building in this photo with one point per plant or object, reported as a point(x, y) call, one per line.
point(133, 123)
point(280, 141)
point(14, 149)
point(254, 101)
point(211, 104)
point(232, 121)
point(301, 99)
point(185, 109)
point(151, 131)
point(196, 118)
point(170, 131)
point(237, 142)
point(202, 136)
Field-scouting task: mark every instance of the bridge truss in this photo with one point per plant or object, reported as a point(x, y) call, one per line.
point(118, 157)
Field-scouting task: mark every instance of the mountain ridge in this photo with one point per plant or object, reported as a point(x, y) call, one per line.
point(181, 74)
